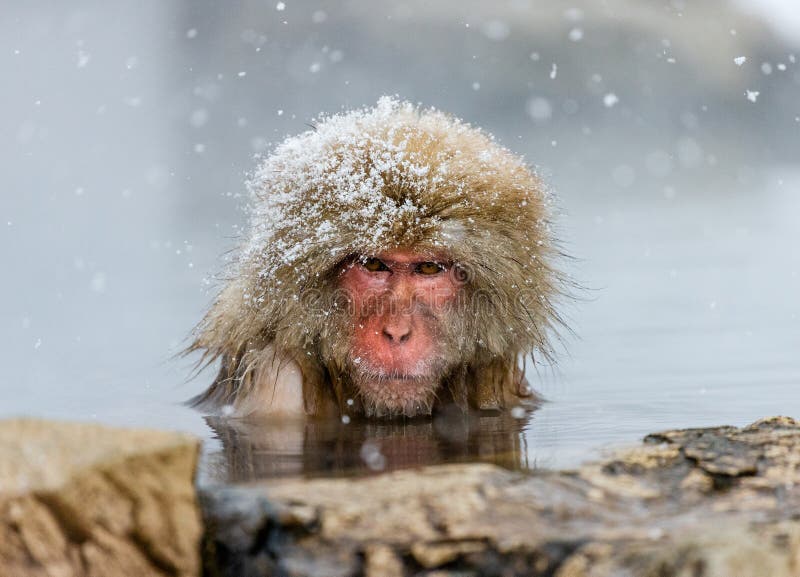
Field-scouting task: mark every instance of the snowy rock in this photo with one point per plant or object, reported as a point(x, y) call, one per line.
point(79, 499)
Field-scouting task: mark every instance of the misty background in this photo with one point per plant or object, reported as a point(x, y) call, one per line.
point(669, 131)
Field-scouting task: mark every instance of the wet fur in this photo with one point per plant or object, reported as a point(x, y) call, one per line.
point(497, 231)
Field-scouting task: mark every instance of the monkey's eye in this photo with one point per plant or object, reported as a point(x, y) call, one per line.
point(429, 268)
point(374, 265)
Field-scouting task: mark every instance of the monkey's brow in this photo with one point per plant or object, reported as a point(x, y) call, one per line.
point(442, 259)
point(410, 265)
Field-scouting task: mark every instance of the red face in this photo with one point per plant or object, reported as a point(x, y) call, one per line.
point(398, 301)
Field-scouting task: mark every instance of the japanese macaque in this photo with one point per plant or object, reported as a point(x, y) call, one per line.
point(398, 260)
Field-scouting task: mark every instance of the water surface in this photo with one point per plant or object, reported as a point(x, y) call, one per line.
point(126, 130)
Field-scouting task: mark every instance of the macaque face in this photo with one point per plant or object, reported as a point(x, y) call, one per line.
point(399, 303)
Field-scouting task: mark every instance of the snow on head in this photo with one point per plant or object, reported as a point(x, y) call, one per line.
point(371, 179)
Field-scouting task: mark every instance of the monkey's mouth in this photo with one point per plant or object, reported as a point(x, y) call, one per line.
point(389, 392)
point(387, 396)
point(424, 371)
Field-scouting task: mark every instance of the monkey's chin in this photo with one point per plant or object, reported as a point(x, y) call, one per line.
point(396, 396)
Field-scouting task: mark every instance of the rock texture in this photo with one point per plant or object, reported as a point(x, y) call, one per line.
point(87, 500)
point(719, 502)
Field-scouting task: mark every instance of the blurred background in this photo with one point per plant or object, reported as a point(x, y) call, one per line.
point(670, 131)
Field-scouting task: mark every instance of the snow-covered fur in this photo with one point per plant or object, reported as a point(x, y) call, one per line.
point(363, 182)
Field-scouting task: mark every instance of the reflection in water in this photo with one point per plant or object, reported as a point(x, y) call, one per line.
point(257, 449)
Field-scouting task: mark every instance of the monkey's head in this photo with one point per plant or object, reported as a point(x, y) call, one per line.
point(397, 259)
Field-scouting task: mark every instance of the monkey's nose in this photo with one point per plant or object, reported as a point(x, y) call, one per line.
point(397, 332)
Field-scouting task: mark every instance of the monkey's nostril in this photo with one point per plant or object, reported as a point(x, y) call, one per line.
point(397, 334)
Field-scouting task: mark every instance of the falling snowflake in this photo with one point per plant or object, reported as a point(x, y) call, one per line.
point(610, 99)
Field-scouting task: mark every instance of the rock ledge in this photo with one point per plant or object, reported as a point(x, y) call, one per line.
point(699, 502)
point(88, 500)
